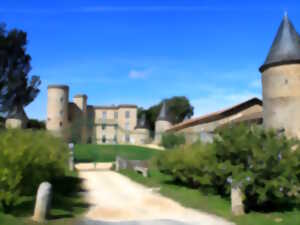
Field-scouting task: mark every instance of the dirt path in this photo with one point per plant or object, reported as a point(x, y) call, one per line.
point(114, 197)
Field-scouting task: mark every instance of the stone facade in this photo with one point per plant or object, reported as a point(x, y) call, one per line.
point(202, 128)
point(115, 124)
point(57, 110)
point(161, 126)
point(281, 96)
point(97, 124)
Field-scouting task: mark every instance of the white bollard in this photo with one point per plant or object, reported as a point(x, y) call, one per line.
point(237, 205)
point(43, 202)
point(71, 157)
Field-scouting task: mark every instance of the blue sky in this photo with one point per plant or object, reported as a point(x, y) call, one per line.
point(141, 51)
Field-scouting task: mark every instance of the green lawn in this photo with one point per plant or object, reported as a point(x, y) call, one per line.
point(67, 205)
point(108, 153)
point(211, 203)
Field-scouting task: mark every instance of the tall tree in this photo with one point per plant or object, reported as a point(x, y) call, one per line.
point(17, 90)
point(178, 108)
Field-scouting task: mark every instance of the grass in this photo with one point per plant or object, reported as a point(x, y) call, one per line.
point(67, 205)
point(108, 153)
point(214, 204)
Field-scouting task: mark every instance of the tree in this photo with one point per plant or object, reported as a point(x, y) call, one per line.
point(17, 90)
point(178, 108)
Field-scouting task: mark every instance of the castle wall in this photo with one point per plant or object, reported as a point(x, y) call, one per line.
point(141, 136)
point(81, 102)
point(119, 129)
point(204, 131)
point(281, 98)
point(57, 110)
point(160, 127)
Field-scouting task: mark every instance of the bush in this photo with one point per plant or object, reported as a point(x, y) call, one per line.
point(171, 140)
point(193, 166)
point(28, 158)
point(264, 165)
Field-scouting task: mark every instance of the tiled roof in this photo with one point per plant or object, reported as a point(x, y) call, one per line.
point(216, 115)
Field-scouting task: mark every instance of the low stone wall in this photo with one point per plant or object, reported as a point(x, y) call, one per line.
point(136, 165)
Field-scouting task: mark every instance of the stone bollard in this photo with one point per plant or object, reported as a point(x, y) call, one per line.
point(117, 164)
point(71, 157)
point(237, 205)
point(43, 202)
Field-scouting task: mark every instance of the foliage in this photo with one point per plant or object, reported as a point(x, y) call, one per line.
point(179, 107)
point(16, 89)
point(193, 166)
point(108, 153)
point(264, 165)
point(172, 140)
point(28, 158)
point(36, 124)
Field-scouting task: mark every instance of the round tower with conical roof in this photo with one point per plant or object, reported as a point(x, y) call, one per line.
point(281, 82)
point(162, 123)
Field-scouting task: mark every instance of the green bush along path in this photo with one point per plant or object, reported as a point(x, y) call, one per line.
point(108, 153)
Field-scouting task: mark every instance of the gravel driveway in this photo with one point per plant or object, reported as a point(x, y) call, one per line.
point(115, 199)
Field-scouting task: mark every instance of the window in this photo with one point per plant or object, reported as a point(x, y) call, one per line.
point(115, 115)
point(103, 126)
point(127, 126)
point(127, 138)
point(61, 99)
point(127, 114)
point(61, 112)
point(104, 114)
point(103, 139)
point(60, 124)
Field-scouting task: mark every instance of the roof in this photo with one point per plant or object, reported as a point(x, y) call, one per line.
point(286, 46)
point(58, 86)
point(163, 112)
point(217, 115)
point(80, 96)
point(116, 106)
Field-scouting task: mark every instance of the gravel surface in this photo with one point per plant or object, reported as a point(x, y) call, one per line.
point(115, 199)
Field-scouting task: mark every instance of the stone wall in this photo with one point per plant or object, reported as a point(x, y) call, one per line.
point(281, 98)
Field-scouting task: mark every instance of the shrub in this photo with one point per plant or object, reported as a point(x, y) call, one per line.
point(192, 166)
point(171, 140)
point(264, 165)
point(28, 158)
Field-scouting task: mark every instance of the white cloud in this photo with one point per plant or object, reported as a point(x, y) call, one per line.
point(138, 74)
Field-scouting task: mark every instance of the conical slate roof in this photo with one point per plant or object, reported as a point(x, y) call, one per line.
point(142, 122)
point(163, 112)
point(286, 46)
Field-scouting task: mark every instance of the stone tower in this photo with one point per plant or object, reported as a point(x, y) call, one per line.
point(162, 123)
point(281, 82)
point(57, 110)
point(142, 132)
point(81, 102)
